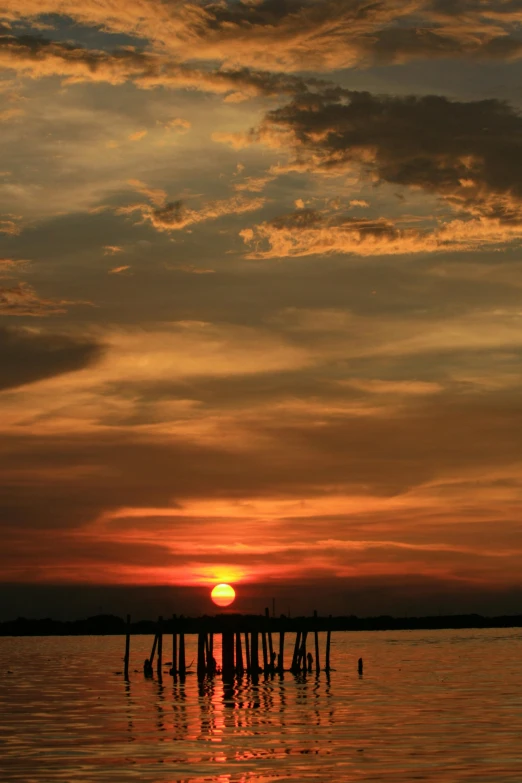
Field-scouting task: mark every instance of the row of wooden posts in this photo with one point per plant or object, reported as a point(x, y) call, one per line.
point(233, 662)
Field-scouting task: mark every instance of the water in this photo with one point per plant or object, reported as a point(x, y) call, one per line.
point(439, 706)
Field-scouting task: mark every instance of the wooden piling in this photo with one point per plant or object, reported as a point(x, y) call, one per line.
point(174, 669)
point(254, 657)
point(152, 652)
point(297, 647)
point(281, 662)
point(328, 640)
point(182, 668)
point(317, 661)
point(160, 648)
point(212, 663)
point(127, 648)
point(360, 666)
point(303, 652)
point(239, 655)
point(201, 670)
point(265, 652)
point(227, 668)
point(247, 654)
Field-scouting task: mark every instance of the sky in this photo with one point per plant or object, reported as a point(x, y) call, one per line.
point(260, 305)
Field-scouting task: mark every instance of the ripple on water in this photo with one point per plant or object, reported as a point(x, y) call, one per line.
point(439, 706)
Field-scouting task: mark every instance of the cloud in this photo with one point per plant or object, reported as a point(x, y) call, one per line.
point(29, 356)
point(253, 184)
point(467, 155)
point(111, 250)
point(9, 227)
point(38, 58)
point(175, 215)
point(118, 270)
point(177, 124)
point(309, 232)
point(138, 135)
point(22, 300)
point(10, 265)
point(301, 35)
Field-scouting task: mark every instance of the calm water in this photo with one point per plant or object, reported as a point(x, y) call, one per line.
point(432, 706)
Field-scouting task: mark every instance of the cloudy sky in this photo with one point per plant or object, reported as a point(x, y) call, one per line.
point(261, 303)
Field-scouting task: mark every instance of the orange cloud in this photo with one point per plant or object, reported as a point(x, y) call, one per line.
point(22, 300)
point(174, 215)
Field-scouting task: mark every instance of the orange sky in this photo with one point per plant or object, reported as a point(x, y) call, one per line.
point(260, 299)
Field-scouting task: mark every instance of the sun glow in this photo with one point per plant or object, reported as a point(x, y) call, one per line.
point(223, 595)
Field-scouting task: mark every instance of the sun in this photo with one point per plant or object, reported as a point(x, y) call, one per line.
point(223, 595)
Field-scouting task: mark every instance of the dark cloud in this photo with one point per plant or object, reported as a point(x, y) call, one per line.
point(469, 153)
point(28, 356)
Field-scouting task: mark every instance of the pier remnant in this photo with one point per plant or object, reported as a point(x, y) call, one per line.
point(127, 649)
point(254, 657)
point(202, 669)
point(182, 668)
point(160, 648)
point(227, 642)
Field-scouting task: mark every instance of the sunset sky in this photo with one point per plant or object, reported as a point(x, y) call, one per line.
point(261, 299)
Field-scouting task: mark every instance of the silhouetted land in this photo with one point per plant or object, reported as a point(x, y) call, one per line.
point(108, 625)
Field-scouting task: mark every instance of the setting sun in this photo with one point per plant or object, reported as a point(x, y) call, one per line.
point(223, 595)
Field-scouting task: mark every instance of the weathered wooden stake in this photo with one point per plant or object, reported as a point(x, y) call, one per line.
point(201, 670)
point(247, 654)
point(227, 643)
point(265, 652)
point(182, 666)
point(239, 656)
point(127, 648)
point(160, 648)
point(174, 669)
point(254, 658)
point(154, 644)
point(360, 666)
point(317, 662)
point(281, 662)
point(211, 663)
point(328, 640)
point(303, 651)
point(297, 647)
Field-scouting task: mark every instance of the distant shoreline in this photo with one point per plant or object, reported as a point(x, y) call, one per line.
point(110, 625)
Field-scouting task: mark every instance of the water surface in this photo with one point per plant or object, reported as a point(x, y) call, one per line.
point(439, 706)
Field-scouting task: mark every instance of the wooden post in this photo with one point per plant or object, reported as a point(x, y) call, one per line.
point(227, 668)
point(303, 651)
point(297, 647)
point(254, 658)
point(174, 669)
point(155, 642)
point(360, 666)
point(182, 667)
point(160, 648)
point(201, 656)
point(317, 663)
point(239, 656)
point(265, 653)
point(247, 654)
point(281, 651)
point(328, 639)
point(127, 648)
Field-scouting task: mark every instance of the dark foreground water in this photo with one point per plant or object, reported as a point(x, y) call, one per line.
point(439, 706)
